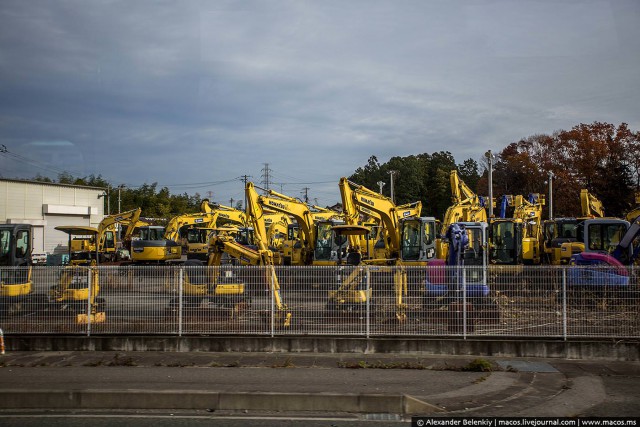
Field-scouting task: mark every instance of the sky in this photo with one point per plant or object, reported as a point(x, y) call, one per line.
point(194, 95)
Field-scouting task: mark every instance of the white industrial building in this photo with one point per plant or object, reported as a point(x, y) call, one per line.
point(46, 205)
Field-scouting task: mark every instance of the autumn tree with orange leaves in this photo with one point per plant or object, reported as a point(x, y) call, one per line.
point(600, 157)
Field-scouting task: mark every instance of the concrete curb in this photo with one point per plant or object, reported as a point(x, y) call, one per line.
point(602, 349)
point(215, 401)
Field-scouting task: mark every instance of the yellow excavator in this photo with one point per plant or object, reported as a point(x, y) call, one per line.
point(78, 285)
point(83, 248)
point(466, 206)
point(198, 237)
point(565, 237)
point(593, 232)
point(15, 267)
point(518, 240)
point(236, 222)
point(162, 244)
point(408, 237)
point(310, 241)
point(224, 243)
point(407, 241)
point(361, 246)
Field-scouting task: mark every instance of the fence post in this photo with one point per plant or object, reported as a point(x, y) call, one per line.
point(368, 304)
point(180, 301)
point(564, 303)
point(89, 285)
point(464, 302)
point(273, 301)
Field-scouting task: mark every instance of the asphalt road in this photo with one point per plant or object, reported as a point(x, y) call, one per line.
point(513, 387)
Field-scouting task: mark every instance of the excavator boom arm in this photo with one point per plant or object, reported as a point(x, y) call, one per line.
point(592, 207)
point(382, 206)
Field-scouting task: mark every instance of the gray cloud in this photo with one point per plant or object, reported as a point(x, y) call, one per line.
point(193, 92)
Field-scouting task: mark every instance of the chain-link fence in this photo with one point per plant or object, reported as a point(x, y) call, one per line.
point(435, 301)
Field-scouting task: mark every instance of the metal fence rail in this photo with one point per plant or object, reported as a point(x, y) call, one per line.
point(514, 301)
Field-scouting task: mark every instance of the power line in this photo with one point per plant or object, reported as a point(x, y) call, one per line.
point(40, 165)
point(267, 176)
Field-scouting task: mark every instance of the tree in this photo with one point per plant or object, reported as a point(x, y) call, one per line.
point(469, 171)
point(601, 162)
point(368, 175)
point(437, 195)
point(423, 177)
point(599, 157)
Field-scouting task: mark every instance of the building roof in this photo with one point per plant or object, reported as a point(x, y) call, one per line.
point(28, 181)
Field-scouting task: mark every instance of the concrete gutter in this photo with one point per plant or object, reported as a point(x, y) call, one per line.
point(591, 349)
point(214, 401)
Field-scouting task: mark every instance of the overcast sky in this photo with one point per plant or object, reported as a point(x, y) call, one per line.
point(195, 94)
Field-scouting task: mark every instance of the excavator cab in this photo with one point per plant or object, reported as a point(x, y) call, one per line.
point(198, 242)
point(15, 252)
point(559, 234)
point(475, 252)
point(291, 246)
point(81, 234)
point(153, 247)
point(330, 247)
point(418, 239)
point(506, 241)
point(604, 237)
point(245, 236)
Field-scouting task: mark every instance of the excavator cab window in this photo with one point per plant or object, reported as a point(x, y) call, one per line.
point(504, 248)
point(197, 235)
point(549, 229)
point(155, 233)
point(474, 252)
point(372, 235)
point(109, 240)
point(5, 247)
point(245, 237)
point(429, 233)
point(292, 232)
point(22, 244)
point(327, 242)
point(567, 231)
point(605, 237)
point(411, 240)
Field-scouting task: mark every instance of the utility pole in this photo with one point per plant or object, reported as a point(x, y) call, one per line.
point(119, 198)
point(106, 195)
point(381, 184)
point(551, 175)
point(245, 178)
point(392, 173)
point(305, 190)
point(490, 158)
point(231, 202)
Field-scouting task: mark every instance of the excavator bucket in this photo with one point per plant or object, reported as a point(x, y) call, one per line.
point(83, 319)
